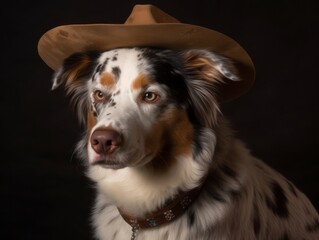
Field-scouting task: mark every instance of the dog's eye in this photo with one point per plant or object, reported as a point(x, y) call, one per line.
point(98, 95)
point(150, 97)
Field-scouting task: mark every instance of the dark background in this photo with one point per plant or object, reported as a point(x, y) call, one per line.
point(44, 193)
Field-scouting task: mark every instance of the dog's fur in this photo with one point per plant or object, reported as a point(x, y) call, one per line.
point(162, 103)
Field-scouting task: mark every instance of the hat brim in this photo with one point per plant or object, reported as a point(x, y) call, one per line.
point(60, 42)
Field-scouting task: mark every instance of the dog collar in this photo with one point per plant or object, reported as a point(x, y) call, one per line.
point(169, 212)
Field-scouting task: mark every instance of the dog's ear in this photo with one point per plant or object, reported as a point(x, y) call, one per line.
point(75, 73)
point(76, 68)
point(206, 71)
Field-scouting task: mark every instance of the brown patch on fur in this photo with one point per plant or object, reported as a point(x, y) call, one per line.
point(181, 135)
point(140, 82)
point(107, 80)
point(202, 67)
point(91, 121)
point(172, 136)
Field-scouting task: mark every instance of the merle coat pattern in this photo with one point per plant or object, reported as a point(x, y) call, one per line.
point(159, 113)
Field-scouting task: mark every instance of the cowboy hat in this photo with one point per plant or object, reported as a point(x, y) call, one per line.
point(147, 26)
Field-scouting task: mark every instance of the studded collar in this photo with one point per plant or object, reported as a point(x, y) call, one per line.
point(171, 211)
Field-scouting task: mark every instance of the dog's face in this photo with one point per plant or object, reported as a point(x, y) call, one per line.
point(141, 105)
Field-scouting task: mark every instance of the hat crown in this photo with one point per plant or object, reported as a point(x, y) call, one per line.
point(148, 14)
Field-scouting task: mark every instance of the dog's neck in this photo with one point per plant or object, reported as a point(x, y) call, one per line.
point(171, 210)
point(138, 192)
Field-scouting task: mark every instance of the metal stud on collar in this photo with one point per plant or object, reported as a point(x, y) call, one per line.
point(135, 229)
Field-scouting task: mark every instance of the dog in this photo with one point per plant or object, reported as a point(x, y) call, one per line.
point(164, 159)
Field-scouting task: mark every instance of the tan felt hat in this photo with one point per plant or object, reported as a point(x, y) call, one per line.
point(147, 26)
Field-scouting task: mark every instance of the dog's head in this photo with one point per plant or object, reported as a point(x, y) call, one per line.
point(143, 105)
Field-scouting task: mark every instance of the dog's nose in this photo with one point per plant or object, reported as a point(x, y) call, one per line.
point(105, 141)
